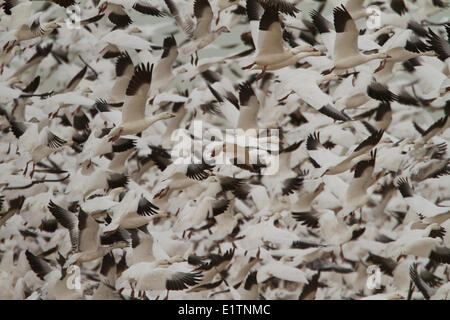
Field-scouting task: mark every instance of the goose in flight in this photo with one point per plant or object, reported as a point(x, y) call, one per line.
point(133, 112)
point(84, 234)
point(305, 84)
point(346, 51)
point(426, 282)
point(115, 11)
point(271, 50)
point(200, 33)
point(360, 187)
point(429, 212)
point(132, 212)
point(333, 229)
point(56, 277)
point(38, 143)
point(163, 74)
point(159, 275)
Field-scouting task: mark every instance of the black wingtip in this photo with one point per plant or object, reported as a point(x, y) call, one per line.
point(142, 75)
point(145, 207)
point(404, 187)
point(146, 9)
point(341, 17)
point(168, 44)
point(122, 62)
point(245, 93)
point(320, 22)
point(313, 141)
point(269, 17)
point(380, 92)
point(119, 20)
point(334, 113)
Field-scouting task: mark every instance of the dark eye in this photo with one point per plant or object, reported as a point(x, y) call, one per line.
point(404, 152)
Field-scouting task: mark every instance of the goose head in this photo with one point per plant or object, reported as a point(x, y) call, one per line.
point(134, 29)
point(103, 7)
point(59, 22)
point(382, 55)
point(223, 29)
point(165, 115)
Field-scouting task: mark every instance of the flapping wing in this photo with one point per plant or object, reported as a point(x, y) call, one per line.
point(270, 35)
point(346, 33)
point(137, 92)
point(204, 15)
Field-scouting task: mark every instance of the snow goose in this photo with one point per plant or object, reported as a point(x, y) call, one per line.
point(32, 63)
point(115, 11)
point(424, 280)
point(158, 275)
point(383, 117)
point(420, 243)
point(163, 75)
point(108, 274)
point(84, 234)
point(56, 279)
point(328, 34)
point(133, 113)
point(210, 265)
point(119, 39)
point(321, 157)
point(39, 144)
point(30, 30)
point(98, 179)
point(429, 212)
point(198, 210)
point(439, 44)
point(401, 47)
point(14, 207)
point(363, 148)
point(180, 176)
point(142, 247)
point(271, 51)
point(287, 181)
point(249, 107)
point(124, 71)
point(359, 189)
point(200, 34)
point(434, 168)
point(434, 129)
point(355, 7)
point(18, 111)
point(97, 205)
point(95, 146)
point(132, 212)
point(333, 229)
point(346, 51)
point(305, 83)
point(281, 270)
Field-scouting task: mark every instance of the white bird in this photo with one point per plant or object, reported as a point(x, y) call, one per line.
point(305, 84)
point(200, 34)
point(271, 51)
point(132, 212)
point(158, 276)
point(115, 10)
point(57, 282)
point(281, 270)
point(84, 234)
point(163, 75)
point(133, 113)
point(430, 212)
point(38, 143)
point(346, 52)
